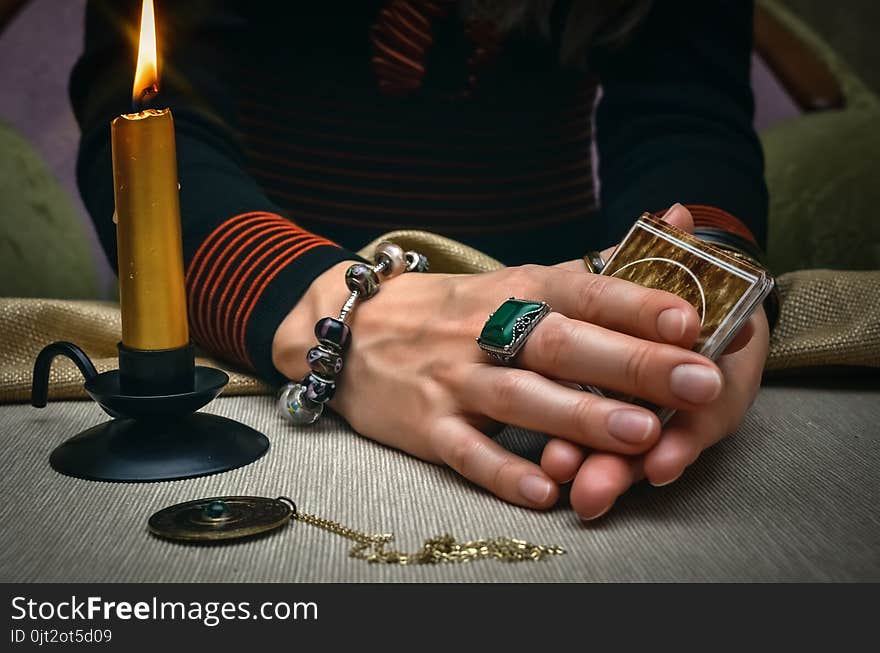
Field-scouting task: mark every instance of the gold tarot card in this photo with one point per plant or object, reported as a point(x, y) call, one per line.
point(724, 289)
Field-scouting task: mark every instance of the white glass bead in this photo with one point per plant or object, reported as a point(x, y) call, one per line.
point(294, 407)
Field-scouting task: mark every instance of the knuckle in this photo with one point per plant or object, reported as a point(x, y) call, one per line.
point(436, 436)
point(551, 341)
point(651, 304)
point(427, 397)
point(446, 372)
point(526, 279)
point(584, 414)
point(655, 301)
point(592, 295)
point(637, 367)
point(501, 472)
point(509, 389)
point(461, 454)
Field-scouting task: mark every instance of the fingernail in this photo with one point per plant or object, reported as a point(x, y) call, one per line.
point(669, 482)
point(631, 426)
point(535, 489)
point(672, 208)
point(598, 514)
point(697, 384)
point(671, 324)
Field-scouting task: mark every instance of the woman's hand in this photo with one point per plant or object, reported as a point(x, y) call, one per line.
point(599, 478)
point(415, 379)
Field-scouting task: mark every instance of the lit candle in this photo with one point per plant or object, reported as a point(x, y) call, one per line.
point(149, 243)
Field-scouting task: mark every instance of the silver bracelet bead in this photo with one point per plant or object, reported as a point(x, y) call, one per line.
point(416, 262)
point(391, 256)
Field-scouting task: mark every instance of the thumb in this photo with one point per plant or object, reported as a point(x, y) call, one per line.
point(679, 216)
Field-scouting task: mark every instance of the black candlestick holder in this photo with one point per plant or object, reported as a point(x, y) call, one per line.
point(155, 433)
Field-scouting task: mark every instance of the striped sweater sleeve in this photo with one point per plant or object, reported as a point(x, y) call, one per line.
point(241, 281)
point(247, 264)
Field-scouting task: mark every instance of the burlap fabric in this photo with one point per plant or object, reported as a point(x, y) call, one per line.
point(829, 318)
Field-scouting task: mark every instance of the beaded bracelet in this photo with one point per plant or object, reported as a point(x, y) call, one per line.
point(302, 403)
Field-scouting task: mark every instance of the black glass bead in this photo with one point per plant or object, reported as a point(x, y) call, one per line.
point(333, 333)
point(363, 279)
point(317, 389)
point(324, 362)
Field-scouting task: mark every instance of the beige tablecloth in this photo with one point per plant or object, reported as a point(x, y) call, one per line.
point(791, 496)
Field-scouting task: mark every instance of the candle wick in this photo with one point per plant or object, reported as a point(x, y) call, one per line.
point(146, 97)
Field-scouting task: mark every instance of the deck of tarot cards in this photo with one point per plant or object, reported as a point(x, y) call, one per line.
point(724, 289)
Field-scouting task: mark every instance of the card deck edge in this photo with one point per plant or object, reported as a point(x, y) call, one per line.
point(758, 290)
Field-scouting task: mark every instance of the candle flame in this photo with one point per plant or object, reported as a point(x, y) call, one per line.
point(146, 76)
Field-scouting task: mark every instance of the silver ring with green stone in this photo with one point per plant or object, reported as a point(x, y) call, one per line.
point(508, 328)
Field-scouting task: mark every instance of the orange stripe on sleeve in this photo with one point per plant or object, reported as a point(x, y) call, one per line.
point(230, 272)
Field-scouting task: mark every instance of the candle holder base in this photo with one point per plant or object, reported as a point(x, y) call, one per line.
point(153, 437)
point(133, 450)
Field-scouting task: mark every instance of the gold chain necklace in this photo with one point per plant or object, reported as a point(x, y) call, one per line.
point(226, 518)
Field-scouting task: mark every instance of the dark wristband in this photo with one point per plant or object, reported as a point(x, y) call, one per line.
point(742, 248)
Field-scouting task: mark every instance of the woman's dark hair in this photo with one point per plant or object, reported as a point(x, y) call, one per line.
point(581, 24)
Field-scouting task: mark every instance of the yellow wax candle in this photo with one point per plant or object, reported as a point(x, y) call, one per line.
point(148, 237)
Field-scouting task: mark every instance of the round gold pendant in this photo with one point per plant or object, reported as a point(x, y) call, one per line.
point(220, 518)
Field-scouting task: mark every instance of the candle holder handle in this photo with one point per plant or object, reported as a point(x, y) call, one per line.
point(40, 385)
point(156, 433)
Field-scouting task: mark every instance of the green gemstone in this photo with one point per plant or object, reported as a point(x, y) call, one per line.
point(216, 509)
point(498, 330)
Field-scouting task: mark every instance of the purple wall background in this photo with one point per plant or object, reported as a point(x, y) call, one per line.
point(37, 51)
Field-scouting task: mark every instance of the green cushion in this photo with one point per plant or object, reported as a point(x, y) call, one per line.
point(822, 175)
point(44, 249)
point(824, 192)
